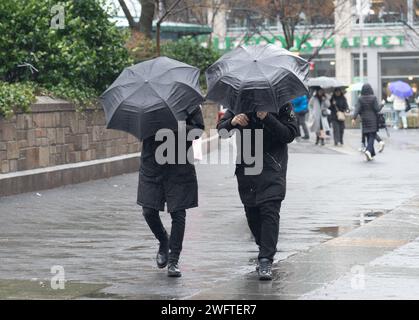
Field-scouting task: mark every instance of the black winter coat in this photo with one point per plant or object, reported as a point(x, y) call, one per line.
point(337, 103)
point(367, 107)
point(278, 130)
point(173, 184)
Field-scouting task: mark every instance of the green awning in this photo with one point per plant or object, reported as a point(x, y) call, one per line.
point(179, 27)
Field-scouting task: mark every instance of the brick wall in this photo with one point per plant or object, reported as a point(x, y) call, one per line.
point(54, 134)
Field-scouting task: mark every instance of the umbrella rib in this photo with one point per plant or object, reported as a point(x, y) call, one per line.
point(185, 84)
point(287, 70)
point(270, 85)
point(172, 68)
point(110, 116)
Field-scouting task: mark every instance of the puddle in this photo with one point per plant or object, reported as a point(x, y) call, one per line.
point(334, 231)
point(368, 217)
point(337, 231)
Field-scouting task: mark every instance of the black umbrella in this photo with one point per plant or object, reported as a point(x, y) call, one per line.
point(152, 95)
point(257, 78)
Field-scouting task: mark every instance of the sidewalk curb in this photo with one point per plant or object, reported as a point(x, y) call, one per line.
point(310, 270)
point(73, 173)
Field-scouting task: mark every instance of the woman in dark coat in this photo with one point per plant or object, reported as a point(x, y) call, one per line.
point(338, 103)
point(367, 108)
point(174, 184)
point(263, 193)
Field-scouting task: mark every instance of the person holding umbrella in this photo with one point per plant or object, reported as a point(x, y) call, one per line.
point(338, 108)
point(367, 108)
point(257, 84)
point(400, 91)
point(320, 104)
point(158, 101)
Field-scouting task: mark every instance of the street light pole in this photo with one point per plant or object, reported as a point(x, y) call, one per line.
point(361, 45)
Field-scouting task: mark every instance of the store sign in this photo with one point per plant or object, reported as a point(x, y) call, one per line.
point(304, 45)
point(373, 42)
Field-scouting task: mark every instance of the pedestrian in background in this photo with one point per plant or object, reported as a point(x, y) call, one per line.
point(319, 104)
point(368, 108)
point(301, 109)
point(399, 107)
point(262, 194)
point(338, 108)
point(174, 185)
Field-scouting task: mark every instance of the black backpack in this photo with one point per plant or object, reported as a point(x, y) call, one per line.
point(381, 121)
point(408, 106)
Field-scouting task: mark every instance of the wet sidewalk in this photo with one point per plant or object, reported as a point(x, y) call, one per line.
point(376, 261)
point(95, 230)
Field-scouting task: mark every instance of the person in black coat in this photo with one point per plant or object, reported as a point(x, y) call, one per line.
point(367, 108)
point(338, 103)
point(263, 193)
point(174, 184)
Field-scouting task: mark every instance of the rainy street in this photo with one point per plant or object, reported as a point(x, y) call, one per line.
point(349, 229)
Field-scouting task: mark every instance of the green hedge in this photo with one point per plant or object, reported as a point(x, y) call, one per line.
point(76, 62)
point(190, 51)
point(15, 97)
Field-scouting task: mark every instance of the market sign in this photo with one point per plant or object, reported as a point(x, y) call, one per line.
point(305, 45)
point(373, 42)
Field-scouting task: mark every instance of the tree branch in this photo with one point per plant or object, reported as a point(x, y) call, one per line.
point(131, 21)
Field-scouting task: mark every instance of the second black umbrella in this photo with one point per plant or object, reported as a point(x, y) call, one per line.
point(257, 78)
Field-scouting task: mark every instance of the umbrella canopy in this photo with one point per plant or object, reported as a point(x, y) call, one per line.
point(152, 95)
point(401, 89)
point(325, 82)
point(257, 78)
point(356, 86)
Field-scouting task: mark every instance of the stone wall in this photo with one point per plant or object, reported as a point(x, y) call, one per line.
point(54, 133)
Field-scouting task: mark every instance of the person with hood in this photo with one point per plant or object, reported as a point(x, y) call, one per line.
point(301, 109)
point(367, 108)
point(399, 107)
point(262, 194)
point(173, 184)
point(320, 104)
point(338, 108)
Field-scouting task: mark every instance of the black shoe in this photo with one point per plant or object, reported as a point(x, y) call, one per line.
point(162, 255)
point(173, 270)
point(265, 269)
point(306, 138)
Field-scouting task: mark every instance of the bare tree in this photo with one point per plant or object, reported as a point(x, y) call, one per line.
point(304, 18)
point(145, 25)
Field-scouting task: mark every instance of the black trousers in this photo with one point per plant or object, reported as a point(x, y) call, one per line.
point(301, 120)
point(263, 222)
point(152, 217)
point(338, 130)
point(370, 142)
point(364, 138)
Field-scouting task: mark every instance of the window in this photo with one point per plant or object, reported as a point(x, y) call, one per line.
point(404, 67)
point(356, 66)
point(382, 11)
point(401, 66)
point(324, 65)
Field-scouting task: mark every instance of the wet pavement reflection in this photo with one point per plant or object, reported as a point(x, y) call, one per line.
point(97, 233)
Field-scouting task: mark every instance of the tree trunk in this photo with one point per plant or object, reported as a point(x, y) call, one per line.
point(146, 18)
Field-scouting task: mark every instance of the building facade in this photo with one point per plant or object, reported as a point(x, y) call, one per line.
point(388, 39)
